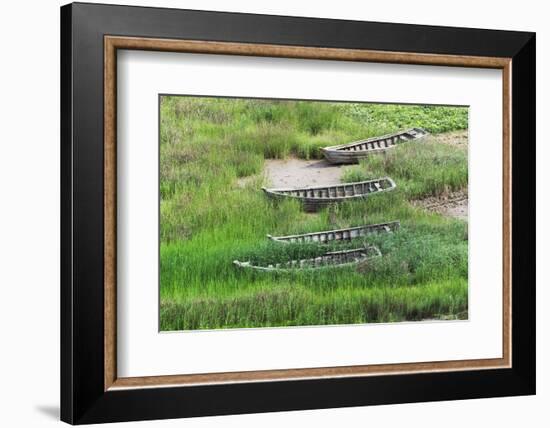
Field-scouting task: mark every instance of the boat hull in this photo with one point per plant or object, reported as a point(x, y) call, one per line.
point(335, 259)
point(338, 235)
point(353, 152)
point(316, 198)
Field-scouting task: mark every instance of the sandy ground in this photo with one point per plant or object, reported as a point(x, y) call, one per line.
point(301, 173)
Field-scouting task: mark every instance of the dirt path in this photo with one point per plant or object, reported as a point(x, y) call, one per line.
point(294, 172)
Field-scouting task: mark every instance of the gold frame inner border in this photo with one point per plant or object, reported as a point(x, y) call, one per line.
point(113, 43)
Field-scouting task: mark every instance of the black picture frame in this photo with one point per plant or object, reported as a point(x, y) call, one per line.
point(83, 398)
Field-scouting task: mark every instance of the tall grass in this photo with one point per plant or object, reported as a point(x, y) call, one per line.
point(208, 220)
point(276, 129)
point(291, 305)
point(422, 169)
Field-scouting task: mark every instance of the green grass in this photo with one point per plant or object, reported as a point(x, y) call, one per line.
point(207, 220)
point(427, 169)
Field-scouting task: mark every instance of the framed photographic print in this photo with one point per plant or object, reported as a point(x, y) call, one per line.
point(265, 213)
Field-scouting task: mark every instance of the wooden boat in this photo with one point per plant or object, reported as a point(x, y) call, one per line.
point(334, 259)
point(314, 198)
point(353, 152)
point(338, 234)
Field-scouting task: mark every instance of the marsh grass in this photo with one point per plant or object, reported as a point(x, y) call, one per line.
point(207, 220)
point(425, 168)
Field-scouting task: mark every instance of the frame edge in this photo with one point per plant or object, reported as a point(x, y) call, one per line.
point(66, 261)
point(524, 219)
point(81, 401)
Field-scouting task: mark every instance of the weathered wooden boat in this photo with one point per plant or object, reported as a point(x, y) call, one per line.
point(334, 259)
point(338, 235)
point(314, 198)
point(353, 152)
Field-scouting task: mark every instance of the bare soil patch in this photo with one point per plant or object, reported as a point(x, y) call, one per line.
point(452, 205)
point(295, 173)
point(454, 138)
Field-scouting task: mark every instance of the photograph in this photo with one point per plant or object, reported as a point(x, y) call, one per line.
point(289, 213)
